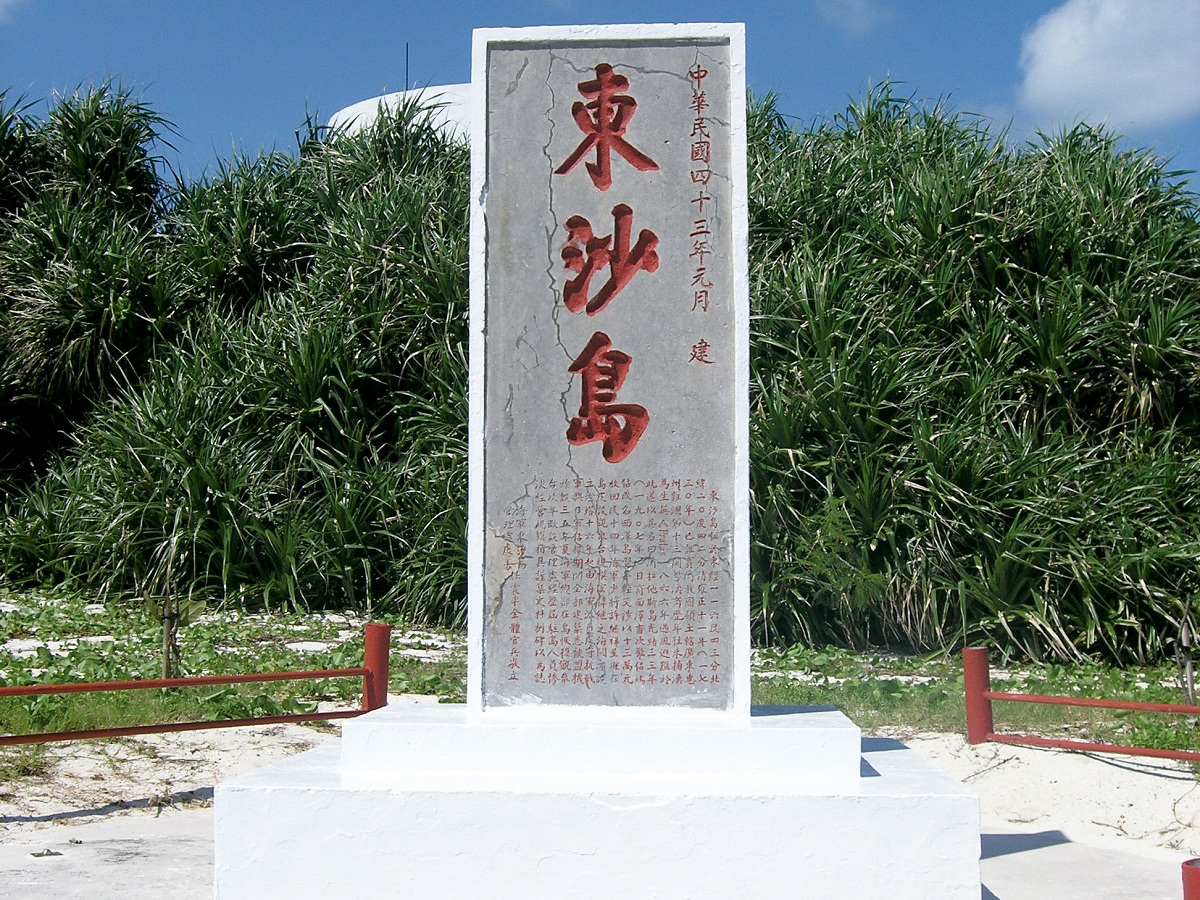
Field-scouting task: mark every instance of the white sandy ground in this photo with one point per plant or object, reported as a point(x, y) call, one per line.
point(1141, 805)
point(1111, 826)
point(145, 775)
point(1106, 800)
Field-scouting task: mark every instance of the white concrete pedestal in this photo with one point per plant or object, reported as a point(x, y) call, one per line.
point(434, 802)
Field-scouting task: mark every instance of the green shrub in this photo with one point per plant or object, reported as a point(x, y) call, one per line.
point(975, 386)
point(302, 440)
point(83, 300)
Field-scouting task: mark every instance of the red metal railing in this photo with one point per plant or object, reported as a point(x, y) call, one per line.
point(1191, 879)
point(374, 673)
point(977, 683)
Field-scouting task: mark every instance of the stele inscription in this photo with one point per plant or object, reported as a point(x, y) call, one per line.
point(608, 533)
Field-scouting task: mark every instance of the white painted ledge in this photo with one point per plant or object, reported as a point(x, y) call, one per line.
point(307, 829)
point(525, 748)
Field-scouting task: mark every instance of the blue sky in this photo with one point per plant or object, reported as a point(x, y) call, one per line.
point(244, 74)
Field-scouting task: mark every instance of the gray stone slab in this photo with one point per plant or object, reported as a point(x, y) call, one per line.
point(610, 428)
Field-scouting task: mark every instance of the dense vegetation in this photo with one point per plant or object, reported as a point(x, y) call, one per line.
point(977, 386)
point(274, 369)
point(976, 381)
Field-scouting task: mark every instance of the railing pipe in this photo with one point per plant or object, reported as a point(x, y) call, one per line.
point(376, 660)
point(1033, 740)
point(977, 683)
point(981, 726)
point(141, 684)
point(47, 737)
point(1191, 879)
point(1098, 703)
point(374, 673)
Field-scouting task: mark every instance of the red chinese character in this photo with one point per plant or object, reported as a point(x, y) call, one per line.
point(604, 121)
point(618, 425)
point(700, 352)
point(585, 253)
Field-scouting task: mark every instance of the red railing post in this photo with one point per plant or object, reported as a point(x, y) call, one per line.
point(1191, 879)
point(376, 649)
point(977, 682)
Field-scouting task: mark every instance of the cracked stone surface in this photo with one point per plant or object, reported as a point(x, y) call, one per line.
point(605, 583)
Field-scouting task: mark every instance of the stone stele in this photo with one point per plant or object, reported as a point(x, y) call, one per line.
point(607, 747)
point(609, 369)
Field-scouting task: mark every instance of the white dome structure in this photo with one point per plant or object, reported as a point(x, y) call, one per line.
point(449, 105)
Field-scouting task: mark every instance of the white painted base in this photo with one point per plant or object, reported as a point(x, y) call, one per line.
point(456, 825)
point(405, 746)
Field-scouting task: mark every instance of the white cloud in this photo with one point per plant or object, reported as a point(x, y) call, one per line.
point(7, 6)
point(856, 17)
point(1129, 63)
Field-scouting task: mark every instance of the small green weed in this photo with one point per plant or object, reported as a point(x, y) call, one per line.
point(24, 762)
point(66, 639)
point(81, 641)
point(925, 694)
